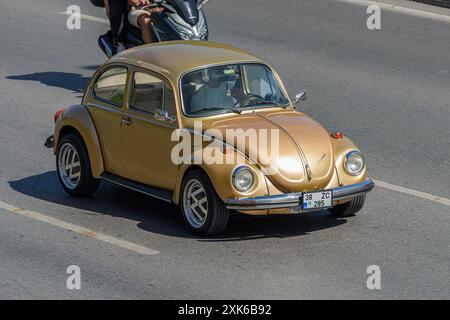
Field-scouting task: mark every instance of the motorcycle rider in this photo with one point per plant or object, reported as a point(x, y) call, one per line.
point(141, 18)
point(117, 12)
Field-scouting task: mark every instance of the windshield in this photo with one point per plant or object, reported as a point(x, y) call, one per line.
point(187, 9)
point(230, 88)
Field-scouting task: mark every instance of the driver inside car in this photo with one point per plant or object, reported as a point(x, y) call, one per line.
point(214, 93)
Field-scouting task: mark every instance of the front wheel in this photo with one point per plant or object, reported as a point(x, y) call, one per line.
point(74, 168)
point(203, 211)
point(350, 208)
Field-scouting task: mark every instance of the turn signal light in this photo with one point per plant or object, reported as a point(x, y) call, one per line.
point(226, 150)
point(337, 135)
point(57, 115)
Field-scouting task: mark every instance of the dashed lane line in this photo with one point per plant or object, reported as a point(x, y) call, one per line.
point(78, 229)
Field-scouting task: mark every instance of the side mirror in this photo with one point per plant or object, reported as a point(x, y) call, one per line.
point(163, 115)
point(300, 97)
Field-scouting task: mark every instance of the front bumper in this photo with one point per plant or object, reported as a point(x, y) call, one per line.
point(294, 200)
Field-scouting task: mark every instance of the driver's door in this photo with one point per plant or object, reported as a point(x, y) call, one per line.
point(146, 137)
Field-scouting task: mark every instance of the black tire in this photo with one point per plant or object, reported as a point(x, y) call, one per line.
point(350, 208)
point(87, 184)
point(217, 214)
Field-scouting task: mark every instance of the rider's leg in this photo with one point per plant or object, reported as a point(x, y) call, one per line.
point(117, 14)
point(145, 24)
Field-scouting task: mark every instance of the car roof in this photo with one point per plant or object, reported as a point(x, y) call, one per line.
point(174, 58)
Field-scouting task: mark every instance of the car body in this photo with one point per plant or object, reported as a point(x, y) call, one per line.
point(138, 102)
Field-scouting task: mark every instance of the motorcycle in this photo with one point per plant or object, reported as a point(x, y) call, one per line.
point(180, 20)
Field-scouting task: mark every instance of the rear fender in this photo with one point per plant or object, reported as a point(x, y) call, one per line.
point(77, 118)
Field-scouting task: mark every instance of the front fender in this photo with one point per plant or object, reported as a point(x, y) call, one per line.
point(341, 148)
point(220, 176)
point(78, 118)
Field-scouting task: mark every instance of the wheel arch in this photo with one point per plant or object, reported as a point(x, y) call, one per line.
point(184, 170)
point(77, 119)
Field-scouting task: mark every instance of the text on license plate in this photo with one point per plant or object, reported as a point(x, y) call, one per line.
point(314, 200)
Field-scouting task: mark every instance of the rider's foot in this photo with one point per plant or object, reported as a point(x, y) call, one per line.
point(118, 47)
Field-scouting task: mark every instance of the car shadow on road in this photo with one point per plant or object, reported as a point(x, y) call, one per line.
point(161, 218)
point(65, 80)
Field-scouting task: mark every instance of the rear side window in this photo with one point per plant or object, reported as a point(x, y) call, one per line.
point(110, 86)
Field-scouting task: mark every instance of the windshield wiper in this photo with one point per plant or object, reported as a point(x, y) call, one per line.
point(264, 102)
point(222, 110)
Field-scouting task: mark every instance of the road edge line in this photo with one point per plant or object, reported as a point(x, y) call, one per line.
point(412, 192)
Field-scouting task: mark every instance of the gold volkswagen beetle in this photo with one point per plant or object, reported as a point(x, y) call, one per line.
point(178, 121)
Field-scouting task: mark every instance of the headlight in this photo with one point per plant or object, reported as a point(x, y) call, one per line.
point(354, 162)
point(243, 178)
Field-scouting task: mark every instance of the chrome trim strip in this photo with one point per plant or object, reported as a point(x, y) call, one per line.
point(155, 122)
point(289, 200)
point(112, 109)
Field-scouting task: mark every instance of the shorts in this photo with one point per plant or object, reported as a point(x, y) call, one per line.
point(134, 15)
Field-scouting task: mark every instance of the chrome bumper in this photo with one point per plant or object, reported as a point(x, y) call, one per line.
point(291, 200)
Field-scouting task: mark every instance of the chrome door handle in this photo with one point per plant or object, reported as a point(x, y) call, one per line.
point(127, 121)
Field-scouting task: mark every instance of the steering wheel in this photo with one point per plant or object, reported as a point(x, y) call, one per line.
point(248, 99)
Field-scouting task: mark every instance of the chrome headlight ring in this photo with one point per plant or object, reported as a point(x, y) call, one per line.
point(243, 178)
point(354, 162)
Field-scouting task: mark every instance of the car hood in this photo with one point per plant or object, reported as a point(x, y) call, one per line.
point(304, 158)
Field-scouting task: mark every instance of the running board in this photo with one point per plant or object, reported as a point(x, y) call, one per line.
point(139, 187)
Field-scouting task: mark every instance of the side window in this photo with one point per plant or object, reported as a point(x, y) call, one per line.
point(147, 93)
point(169, 101)
point(110, 86)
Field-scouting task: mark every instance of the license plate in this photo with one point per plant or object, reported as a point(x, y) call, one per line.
point(317, 200)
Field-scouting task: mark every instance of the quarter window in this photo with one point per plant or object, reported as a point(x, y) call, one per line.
point(110, 86)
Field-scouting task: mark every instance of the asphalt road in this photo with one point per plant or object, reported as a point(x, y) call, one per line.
point(387, 89)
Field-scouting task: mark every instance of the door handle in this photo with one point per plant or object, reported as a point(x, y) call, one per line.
point(127, 121)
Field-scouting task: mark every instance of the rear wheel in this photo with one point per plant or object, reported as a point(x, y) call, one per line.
point(350, 208)
point(74, 168)
point(203, 211)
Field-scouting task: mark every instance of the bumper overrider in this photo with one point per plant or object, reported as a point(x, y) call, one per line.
point(294, 200)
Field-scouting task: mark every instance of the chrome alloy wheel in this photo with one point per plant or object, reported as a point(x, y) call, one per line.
point(69, 166)
point(195, 203)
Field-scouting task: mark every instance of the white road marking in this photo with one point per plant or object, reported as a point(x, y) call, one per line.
point(412, 192)
point(399, 9)
point(79, 230)
point(89, 18)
